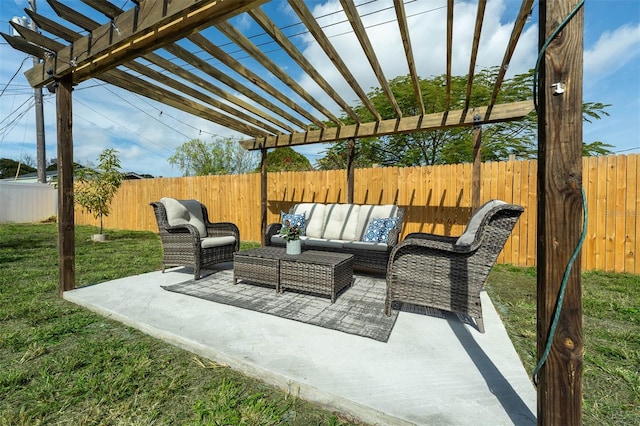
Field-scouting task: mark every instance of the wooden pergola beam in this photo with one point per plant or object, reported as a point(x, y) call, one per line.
point(190, 91)
point(255, 79)
point(154, 24)
point(78, 19)
point(66, 213)
point(525, 9)
point(401, 16)
point(447, 100)
point(270, 28)
point(482, 5)
point(560, 213)
point(502, 112)
point(22, 45)
point(233, 34)
point(360, 32)
point(149, 90)
point(230, 82)
point(323, 41)
point(36, 38)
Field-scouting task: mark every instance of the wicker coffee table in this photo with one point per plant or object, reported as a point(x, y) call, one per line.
point(316, 272)
point(260, 265)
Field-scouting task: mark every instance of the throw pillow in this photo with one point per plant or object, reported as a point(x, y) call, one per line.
point(294, 219)
point(389, 224)
point(374, 230)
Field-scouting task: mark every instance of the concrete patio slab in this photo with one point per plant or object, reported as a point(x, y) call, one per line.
point(432, 371)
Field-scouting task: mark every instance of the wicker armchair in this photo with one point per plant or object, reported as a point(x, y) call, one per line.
point(448, 273)
point(189, 239)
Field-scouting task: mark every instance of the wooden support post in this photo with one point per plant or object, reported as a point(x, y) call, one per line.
point(263, 196)
point(477, 161)
point(66, 218)
point(560, 212)
point(351, 154)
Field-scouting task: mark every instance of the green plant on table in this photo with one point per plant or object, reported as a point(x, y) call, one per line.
point(291, 233)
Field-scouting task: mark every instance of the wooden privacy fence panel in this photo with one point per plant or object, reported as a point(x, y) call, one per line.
point(436, 199)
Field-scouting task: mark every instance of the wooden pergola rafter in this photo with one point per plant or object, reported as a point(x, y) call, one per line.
point(136, 49)
point(272, 118)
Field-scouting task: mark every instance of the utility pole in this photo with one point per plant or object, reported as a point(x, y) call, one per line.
point(37, 94)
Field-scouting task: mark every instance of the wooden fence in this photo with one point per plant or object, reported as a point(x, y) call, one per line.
point(436, 199)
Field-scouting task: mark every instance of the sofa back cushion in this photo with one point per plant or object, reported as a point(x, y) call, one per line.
point(181, 212)
point(368, 212)
point(314, 214)
point(341, 221)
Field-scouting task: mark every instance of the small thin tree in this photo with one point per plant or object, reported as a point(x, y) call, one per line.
point(95, 188)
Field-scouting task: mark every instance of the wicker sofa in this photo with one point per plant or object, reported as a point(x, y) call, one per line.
point(347, 228)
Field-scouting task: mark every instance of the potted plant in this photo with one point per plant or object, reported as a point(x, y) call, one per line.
point(291, 234)
point(95, 188)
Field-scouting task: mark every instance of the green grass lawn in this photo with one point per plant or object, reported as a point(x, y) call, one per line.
point(611, 331)
point(61, 364)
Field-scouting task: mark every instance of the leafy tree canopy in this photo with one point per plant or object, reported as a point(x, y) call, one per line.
point(455, 145)
point(9, 168)
point(286, 160)
point(221, 156)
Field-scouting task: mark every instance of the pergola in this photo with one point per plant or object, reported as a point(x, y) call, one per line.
point(135, 49)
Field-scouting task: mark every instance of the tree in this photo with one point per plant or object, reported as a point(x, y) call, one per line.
point(9, 168)
point(221, 156)
point(285, 159)
point(94, 189)
point(455, 145)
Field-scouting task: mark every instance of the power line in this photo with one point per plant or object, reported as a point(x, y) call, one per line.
point(14, 122)
point(14, 75)
point(200, 131)
point(124, 127)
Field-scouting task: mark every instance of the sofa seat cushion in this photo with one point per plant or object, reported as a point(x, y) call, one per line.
point(217, 241)
point(322, 243)
point(361, 245)
point(314, 214)
point(182, 212)
point(278, 240)
point(341, 221)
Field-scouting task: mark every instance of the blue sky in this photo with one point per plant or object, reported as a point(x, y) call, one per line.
point(147, 133)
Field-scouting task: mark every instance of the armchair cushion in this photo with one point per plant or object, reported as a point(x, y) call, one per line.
point(216, 241)
point(185, 212)
point(469, 234)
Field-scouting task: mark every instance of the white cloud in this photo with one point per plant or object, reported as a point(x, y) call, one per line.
point(612, 51)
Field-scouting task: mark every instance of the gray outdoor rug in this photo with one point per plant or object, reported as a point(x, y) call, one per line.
point(358, 310)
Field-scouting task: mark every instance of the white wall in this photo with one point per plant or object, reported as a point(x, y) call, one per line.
point(27, 202)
